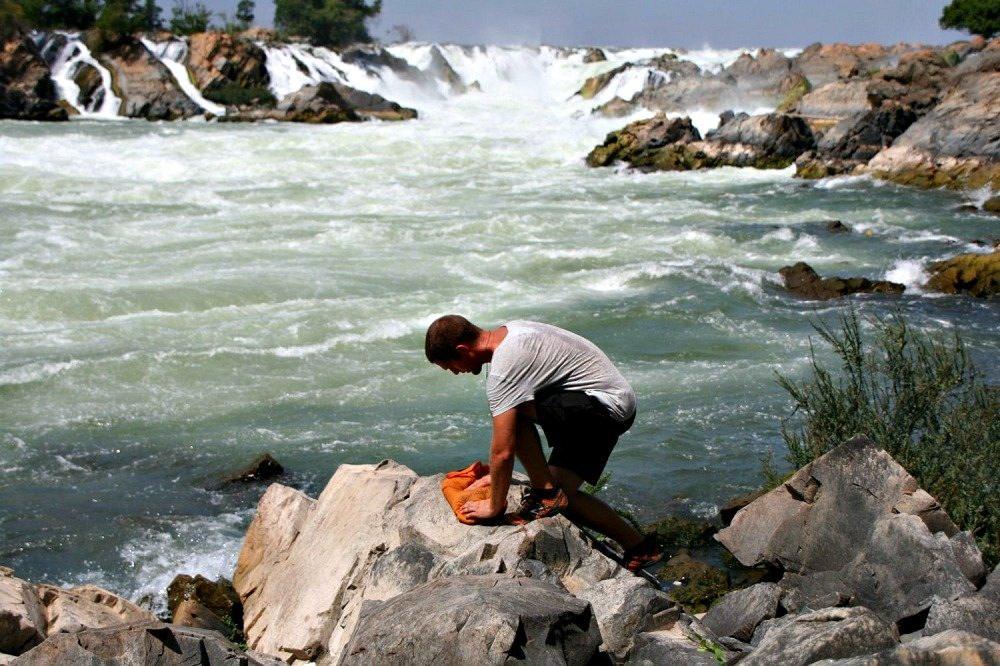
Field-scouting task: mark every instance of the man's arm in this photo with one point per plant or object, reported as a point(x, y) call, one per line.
point(502, 448)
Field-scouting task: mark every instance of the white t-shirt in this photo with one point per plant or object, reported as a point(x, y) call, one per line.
point(535, 356)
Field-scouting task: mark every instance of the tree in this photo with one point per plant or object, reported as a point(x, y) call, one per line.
point(189, 19)
point(979, 17)
point(326, 22)
point(151, 16)
point(402, 33)
point(244, 13)
point(64, 14)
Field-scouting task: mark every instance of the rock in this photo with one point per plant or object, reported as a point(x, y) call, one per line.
point(738, 613)
point(31, 612)
point(914, 84)
point(144, 84)
point(948, 648)
point(190, 613)
point(823, 63)
point(978, 612)
point(766, 141)
point(596, 84)
point(218, 60)
point(762, 75)
point(687, 643)
point(594, 55)
point(992, 205)
point(628, 606)
point(838, 227)
point(150, 642)
point(681, 532)
point(975, 274)
point(26, 88)
point(637, 143)
point(616, 107)
point(309, 567)
point(218, 597)
point(262, 468)
point(827, 634)
point(952, 145)
point(476, 620)
point(805, 282)
point(839, 528)
point(326, 103)
point(837, 99)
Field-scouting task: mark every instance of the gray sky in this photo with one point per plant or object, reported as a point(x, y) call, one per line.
point(676, 23)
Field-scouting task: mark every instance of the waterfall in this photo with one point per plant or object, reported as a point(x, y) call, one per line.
point(172, 54)
point(66, 64)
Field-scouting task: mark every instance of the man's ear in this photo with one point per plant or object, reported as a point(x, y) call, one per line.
point(463, 349)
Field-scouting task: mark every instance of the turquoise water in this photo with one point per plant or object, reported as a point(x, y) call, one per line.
point(177, 298)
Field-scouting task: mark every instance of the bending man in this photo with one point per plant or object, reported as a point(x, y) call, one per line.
point(546, 375)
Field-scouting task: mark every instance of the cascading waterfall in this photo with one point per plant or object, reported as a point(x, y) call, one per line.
point(172, 54)
point(66, 65)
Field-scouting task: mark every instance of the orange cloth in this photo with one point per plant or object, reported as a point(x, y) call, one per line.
point(454, 485)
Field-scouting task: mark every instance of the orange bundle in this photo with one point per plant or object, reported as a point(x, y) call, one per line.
point(454, 485)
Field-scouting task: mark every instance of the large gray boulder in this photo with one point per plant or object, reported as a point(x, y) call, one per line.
point(739, 612)
point(853, 527)
point(949, 648)
point(827, 634)
point(978, 612)
point(476, 620)
point(150, 642)
point(310, 567)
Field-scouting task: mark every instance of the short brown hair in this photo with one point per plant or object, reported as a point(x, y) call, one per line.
point(447, 332)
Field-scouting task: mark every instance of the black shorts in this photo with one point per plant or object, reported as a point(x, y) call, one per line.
point(580, 431)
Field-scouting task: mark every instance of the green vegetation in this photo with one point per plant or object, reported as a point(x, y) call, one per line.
point(187, 19)
point(920, 398)
point(979, 17)
point(236, 95)
point(326, 22)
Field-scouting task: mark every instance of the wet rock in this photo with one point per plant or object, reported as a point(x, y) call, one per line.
point(218, 597)
point(596, 84)
point(826, 634)
point(838, 227)
point(594, 55)
point(638, 142)
point(681, 532)
point(326, 103)
point(974, 274)
point(851, 143)
point(150, 642)
point(446, 620)
point(144, 84)
point(262, 468)
point(804, 282)
point(701, 584)
point(26, 88)
point(992, 205)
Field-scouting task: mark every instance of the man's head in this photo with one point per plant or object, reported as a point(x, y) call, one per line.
point(450, 344)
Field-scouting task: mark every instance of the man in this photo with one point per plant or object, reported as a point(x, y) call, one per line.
point(546, 375)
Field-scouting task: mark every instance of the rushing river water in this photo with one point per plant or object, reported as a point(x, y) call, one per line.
point(176, 298)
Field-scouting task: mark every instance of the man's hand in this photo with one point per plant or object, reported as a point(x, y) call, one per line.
point(479, 511)
point(481, 482)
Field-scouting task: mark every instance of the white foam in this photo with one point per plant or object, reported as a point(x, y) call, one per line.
point(910, 273)
point(172, 53)
point(35, 372)
point(66, 66)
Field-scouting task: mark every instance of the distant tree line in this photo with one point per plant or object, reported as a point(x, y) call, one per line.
point(115, 18)
point(322, 22)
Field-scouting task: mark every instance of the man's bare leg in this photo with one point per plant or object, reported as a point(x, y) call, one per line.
point(586, 510)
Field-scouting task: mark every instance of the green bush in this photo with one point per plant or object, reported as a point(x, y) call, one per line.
point(235, 95)
point(326, 22)
point(920, 398)
point(979, 17)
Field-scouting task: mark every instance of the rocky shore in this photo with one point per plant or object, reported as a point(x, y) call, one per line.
point(857, 565)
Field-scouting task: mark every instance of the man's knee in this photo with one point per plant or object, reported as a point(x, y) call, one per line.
point(566, 479)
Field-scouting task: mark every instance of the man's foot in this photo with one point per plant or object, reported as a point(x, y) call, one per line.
point(539, 503)
point(645, 554)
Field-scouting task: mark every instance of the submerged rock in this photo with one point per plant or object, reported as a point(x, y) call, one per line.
point(326, 103)
point(805, 282)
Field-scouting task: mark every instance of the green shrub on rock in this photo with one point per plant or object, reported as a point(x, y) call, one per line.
point(237, 95)
point(920, 398)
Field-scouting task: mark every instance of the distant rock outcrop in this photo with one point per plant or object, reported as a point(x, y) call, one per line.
point(221, 60)
point(26, 88)
point(323, 104)
point(974, 274)
point(145, 85)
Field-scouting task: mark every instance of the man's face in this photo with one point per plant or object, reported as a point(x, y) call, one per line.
point(465, 362)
